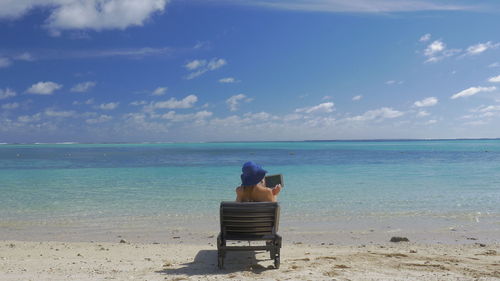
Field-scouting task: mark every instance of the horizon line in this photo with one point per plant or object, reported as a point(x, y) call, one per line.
point(255, 141)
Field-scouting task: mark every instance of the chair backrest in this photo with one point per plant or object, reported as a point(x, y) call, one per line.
point(249, 218)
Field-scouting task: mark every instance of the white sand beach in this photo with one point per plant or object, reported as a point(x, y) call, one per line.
point(300, 261)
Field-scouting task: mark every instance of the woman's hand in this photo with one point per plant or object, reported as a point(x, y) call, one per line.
point(276, 189)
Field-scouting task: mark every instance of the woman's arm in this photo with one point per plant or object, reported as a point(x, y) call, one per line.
point(276, 190)
point(238, 194)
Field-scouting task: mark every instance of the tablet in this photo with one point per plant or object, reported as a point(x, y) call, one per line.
point(273, 180)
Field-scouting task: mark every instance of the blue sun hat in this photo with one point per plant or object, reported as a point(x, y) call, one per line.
point(252, 174)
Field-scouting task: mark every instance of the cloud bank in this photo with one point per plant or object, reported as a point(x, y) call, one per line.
point(88, 14)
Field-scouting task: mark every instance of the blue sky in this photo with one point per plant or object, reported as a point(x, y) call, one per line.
point(158, 70)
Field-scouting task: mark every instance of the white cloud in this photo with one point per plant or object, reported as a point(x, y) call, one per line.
point(80, 102)
point(108, 106)
point(434, 48)
point(15, 9)
point(483, 112)
point(89, 14)
point(5, 62)
point(87, 102)
point(423, 113)
point(24, 57)
point(393, 82)
point(160, 91)
point(228, 80)
point(44, 88)
point(430, 122)
point(138, 122)
point(106, 53)
point(292, 117)
point(377, 114)
point(488, 113)
point(357, 98)
point(437, 51)
point(200, 67)
point(54, 113)
point(262, 116)
point(9, 106)
point(79, 35)
point(326, 107)
point(216, 63)
point(173, 103)
point(488, 108)
point(425, 37)
point(194, 64)
point(431, 101)
point(495, 64)
point(472, 91)
point(356, 6)
point(202, 114)
point(7, 93)
point(494, 79)
point(476, 123)
point(137, 103)
point(101, 119)
point(83, 87)
point(29, 118)
point(174, 117)
point(481, 47)
point(201, 44)
point(234, 102)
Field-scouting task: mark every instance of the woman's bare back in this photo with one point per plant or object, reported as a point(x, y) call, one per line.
point(256, 193)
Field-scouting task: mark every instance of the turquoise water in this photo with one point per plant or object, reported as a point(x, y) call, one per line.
point(92, 182)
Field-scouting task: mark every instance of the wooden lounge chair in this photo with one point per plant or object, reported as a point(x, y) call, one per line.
point(252, 221)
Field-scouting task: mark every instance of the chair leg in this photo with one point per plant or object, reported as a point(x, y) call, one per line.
point(270, 245)
point(277, 255)
point(220, 251)
point(277, 258)
point(277, 262)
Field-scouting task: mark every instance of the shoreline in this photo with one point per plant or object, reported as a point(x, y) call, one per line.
point(182, 261)
point(339, 231)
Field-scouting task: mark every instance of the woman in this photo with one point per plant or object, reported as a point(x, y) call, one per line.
point(253, 185)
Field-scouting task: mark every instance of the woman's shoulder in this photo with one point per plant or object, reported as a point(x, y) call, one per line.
point(239, 189)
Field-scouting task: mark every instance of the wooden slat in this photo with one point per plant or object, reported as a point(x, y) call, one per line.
point(248, 219)
point(238, 204)
point(261, 232)
point(246, 237)
point(248, 215)
point(255, 213)
point(249, 229)
point(229, 209)
point(249, 224)
point(241, 221)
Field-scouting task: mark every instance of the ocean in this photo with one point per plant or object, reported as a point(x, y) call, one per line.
point(99, 187)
